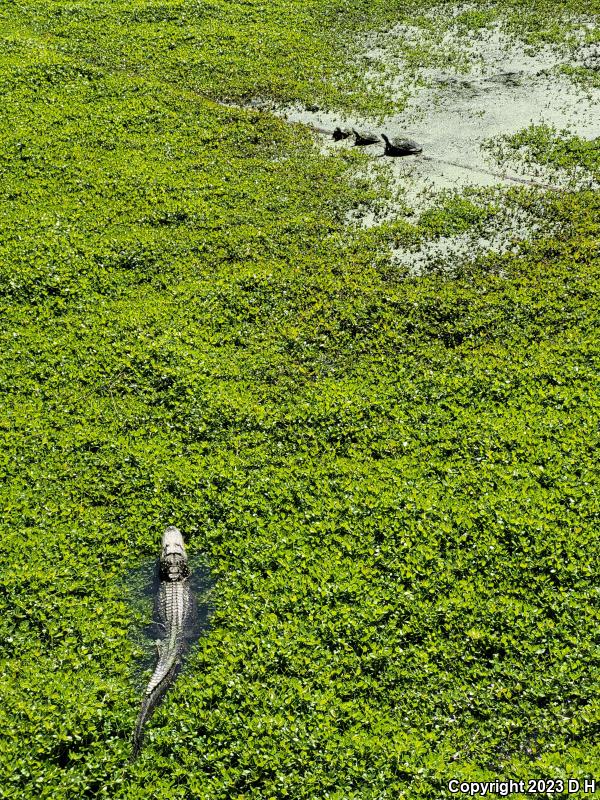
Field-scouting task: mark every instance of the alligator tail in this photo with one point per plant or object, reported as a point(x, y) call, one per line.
point(150, 702)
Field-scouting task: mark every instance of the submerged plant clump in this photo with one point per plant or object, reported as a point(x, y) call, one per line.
point(393, 477)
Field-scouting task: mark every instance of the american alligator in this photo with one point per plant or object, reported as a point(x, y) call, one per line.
point(400, 147)
point(175, 607)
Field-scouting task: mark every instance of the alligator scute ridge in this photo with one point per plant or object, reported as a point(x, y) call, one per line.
point(176, 610)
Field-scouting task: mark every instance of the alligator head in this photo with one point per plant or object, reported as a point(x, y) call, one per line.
point(173, 558)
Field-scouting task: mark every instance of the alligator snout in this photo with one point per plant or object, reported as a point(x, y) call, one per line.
point(172, 542)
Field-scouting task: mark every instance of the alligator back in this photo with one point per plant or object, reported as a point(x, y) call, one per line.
point(176, 605)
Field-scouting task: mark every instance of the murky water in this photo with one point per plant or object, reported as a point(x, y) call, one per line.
point(503, 234)
point(503, 89)
point(490, 85)
point(496, 86)
point(142, 585)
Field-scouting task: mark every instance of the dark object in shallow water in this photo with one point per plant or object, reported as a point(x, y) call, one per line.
point(513, 78)
point(340, 133)
point(176, 610)
point(363, 139)
point(401, 147)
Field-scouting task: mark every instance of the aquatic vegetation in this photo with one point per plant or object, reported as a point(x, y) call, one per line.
point(555, 150)
point(393, 479)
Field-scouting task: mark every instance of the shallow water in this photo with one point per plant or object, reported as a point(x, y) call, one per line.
point(497, 86)
point(503, 89)
point(142, 584)
point(491, 85)
point(449, 254)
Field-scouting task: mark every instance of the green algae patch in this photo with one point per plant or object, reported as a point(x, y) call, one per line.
point(393, 479)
